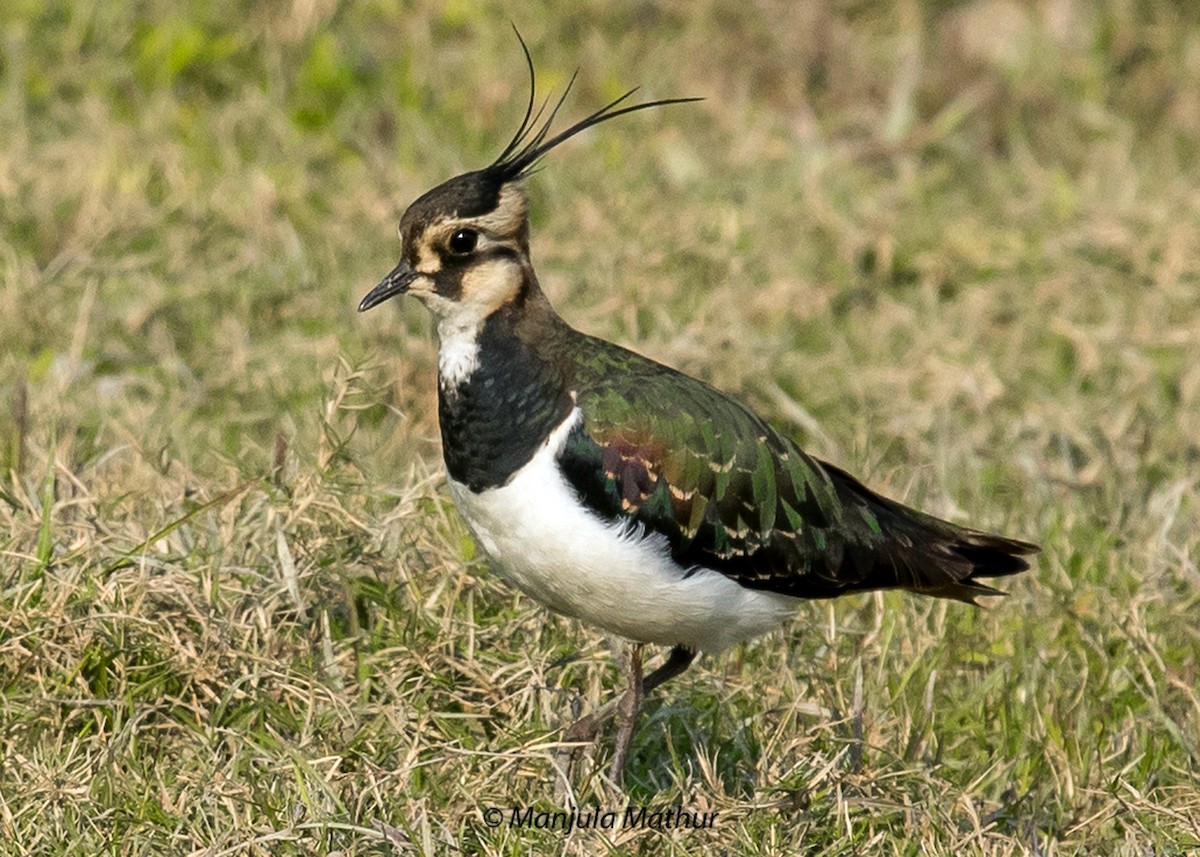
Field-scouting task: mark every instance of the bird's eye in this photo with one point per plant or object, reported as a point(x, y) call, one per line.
point(463, 241)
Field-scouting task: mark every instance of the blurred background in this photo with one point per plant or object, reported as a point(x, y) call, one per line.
point(953, 247)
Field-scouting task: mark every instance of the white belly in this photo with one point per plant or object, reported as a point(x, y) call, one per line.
point(544, 541)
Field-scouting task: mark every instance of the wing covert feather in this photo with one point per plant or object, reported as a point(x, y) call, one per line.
point(730, 493)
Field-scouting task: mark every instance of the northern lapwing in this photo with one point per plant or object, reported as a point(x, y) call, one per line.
point(619, 491)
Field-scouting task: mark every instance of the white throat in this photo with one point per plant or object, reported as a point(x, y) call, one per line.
point(485, 287)
point(458, 351)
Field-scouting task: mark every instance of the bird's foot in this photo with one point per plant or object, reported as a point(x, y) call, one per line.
point(627, 708)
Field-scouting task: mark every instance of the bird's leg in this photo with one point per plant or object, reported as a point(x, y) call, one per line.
point(680, 659)
point(628, 709)
point(586, 728)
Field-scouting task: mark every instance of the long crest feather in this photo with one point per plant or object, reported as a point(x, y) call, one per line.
point(527, 146)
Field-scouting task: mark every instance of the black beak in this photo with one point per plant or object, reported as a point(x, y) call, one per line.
point(395, 283)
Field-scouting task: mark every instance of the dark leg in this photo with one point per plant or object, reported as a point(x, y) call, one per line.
point(680, 659)
point(586, 728)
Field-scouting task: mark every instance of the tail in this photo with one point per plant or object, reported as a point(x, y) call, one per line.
point(924, 554)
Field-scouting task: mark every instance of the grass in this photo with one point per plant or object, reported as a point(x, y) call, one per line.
point(953, 247)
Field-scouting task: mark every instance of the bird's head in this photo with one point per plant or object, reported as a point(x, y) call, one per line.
point(465, 244)
point(465, 247)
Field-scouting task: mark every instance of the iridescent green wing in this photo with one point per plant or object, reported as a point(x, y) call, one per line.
point(729, 493)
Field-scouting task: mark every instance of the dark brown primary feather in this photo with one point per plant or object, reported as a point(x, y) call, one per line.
point(928, 555)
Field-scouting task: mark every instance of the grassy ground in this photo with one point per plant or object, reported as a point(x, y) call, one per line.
point(955, 249)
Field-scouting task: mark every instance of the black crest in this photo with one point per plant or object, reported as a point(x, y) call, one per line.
point(528, 145)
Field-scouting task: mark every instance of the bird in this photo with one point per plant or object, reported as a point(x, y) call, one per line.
point(617, 490)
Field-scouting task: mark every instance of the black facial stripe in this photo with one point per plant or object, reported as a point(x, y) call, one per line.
point(448, 281)
point(496, 251)
point(450, 278)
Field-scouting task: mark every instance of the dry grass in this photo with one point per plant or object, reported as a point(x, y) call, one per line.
point(954, 249)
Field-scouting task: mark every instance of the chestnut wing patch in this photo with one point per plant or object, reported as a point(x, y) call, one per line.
point(753, 506)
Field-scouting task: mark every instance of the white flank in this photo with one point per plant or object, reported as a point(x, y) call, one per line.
point(611, 575)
